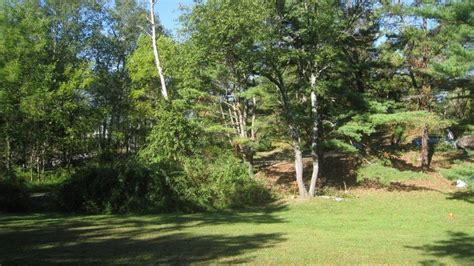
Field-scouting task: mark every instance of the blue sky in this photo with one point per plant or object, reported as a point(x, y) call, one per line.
point(168, 10)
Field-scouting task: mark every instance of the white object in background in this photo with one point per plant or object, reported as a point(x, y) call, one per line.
point(460, 184)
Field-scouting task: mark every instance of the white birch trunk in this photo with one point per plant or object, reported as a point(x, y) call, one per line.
point(164, 91)
point(253, 132)
point(314, 144)
point(314, 136)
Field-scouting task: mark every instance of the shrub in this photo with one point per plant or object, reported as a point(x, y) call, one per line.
point(124, 187)
point(13, 194)
point(220, 184)
point(198, 180)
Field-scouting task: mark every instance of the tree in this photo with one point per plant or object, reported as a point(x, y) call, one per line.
point(229, 41)
point(153, 24)
point(421, 35)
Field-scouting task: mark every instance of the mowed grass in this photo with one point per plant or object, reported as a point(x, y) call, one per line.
point(375, 228)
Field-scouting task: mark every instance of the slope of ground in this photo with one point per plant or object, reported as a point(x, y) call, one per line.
point(396, 171)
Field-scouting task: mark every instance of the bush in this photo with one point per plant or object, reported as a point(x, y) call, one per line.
point(13, 194)
point(198, 181)
point(220, 184)
point(130, 187)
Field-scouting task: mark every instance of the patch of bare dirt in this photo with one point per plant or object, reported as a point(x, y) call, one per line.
point(340, 171)
point(279, 177)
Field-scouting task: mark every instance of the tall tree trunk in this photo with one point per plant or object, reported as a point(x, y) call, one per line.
point(31, 165)
point(299, 170)
point(164, 91)
point(7, 153)
point(314, 142)
point(316, 135)
point(295, 138)
point(253, 132)
point(425, 162)
point(245, 133)
point(241, 119)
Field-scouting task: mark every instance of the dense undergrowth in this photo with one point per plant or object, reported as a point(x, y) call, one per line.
point(13, 194)
point(137, 187)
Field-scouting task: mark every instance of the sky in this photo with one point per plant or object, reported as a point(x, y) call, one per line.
point(168, 11)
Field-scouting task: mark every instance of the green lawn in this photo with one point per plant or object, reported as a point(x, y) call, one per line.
point(375, 228)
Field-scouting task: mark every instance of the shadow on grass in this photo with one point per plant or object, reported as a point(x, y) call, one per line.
point(467, 196)
point(397, 186)
point(393, 186)
point(402, 165)
point(459, 246)
point(124, 239)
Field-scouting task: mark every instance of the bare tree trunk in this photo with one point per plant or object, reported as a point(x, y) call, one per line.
point(253, 133)
point(241, 120)
point(225, 122)
point(31, 165)
point(7, 153)
point(37, 165)
point(164, 91)
point(425, 163)
point(233, 118)
point(299, 170)
point(43, 162)
point(314, 142)
point(246, 151)
point(296, 140)
point(238, 114)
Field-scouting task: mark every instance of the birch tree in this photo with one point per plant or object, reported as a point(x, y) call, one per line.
point(159, 69)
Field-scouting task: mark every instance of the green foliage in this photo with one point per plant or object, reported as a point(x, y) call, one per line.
point(173, 138)
point(133, 187)
point(339, 145)
point(455, 29)
point(397, 123)
point(13, 194)
point(123, 188)
point(411, 119)
point(50, 181)
point(219, 184)
point(356, 129)
point(78, 84)
point(444, 146)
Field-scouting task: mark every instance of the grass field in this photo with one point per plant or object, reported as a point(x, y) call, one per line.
point(377, 227)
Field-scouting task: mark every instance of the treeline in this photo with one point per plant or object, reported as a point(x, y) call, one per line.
point(82, 88)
